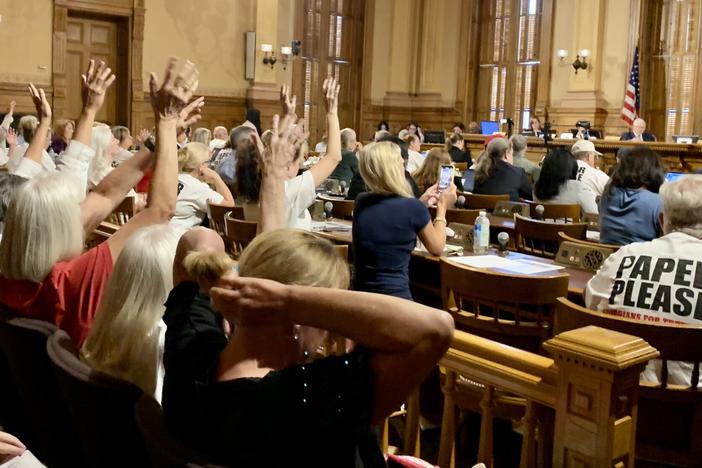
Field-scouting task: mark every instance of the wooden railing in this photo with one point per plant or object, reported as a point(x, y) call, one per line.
point(577, 408)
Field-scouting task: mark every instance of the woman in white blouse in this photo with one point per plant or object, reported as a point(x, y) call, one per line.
point(557, 183)
point(194, 191)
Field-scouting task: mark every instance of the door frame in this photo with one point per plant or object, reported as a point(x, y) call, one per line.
point(127, 13)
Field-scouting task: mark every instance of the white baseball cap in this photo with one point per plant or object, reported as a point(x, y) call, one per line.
point(584, 146)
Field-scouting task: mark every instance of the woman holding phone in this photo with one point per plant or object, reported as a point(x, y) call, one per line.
point(428, 174)
point(387, 221)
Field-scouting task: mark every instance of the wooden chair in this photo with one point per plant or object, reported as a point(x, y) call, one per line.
point(582, 253)
point(568, 213)
point(342, 209)
point(456, 215)
point(101, 233)
point(23, 342)
point(215, 213)
point(512, 309)
point(507, 209)
point(461, 166)
point(483, 202)
point(123, 212)
point(592, 220)
point(541, 237)
point(239, 233)
point(669, 426)
point(101, 408)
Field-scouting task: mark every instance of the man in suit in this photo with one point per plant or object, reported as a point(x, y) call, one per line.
point(638, 132)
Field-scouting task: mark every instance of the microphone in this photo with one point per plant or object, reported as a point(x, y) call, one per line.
point(503, 240)
point(460, 201)
point(343, 185)
point(539, 212)
point(328, 207)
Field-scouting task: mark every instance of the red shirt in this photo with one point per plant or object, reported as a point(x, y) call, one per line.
point(68, 297)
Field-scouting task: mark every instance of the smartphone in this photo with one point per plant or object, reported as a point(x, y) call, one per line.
point(445, 176)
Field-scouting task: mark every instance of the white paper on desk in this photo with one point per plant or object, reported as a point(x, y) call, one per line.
point(520, 266)
point(330, 226)
point(26, 460)
point(593, 236)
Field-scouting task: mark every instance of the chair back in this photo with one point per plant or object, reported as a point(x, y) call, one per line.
point(343, 251)
point(592, 220)
point(680, 409)
point(123, 212)
point(166, 450)
point(457, 215)
point(582, 254)
point(461, 166)
point(477, 300)
point(342, 209)
point(215, 214)
point(239, 233)
point(101, 407)
point(462, 235)
point(23, 342)
point(483, 202)
point(541, 237)
point(507, 209)
point(104, 231)
point(564, 213)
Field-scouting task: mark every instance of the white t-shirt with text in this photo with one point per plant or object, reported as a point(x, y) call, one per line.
point(191, 204)
point(592, 178)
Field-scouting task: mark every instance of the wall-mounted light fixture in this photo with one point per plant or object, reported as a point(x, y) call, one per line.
point(285, 53)
point(580, 62)
point(268, 55)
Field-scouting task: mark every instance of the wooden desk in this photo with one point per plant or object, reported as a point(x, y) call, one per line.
point(676, 157)
point(425, 278)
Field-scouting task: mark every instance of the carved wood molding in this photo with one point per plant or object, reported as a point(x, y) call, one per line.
point(131, 10)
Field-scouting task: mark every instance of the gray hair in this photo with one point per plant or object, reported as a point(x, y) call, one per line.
point(239, 134)
point(682, 205)
point(381, 134)
point(519, 144)
point(8, 185)
point(348, 137)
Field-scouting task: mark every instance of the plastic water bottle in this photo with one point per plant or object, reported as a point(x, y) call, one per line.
point(481, 234)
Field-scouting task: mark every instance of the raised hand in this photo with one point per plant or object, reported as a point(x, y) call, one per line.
point(331, 94)
point(190, 114)
point(96, 81)
point(40, 102)
point(287, 105)
point(11, 137)
point(144, 133)
point(178, 86)
point(285, 140)
point(11, 108)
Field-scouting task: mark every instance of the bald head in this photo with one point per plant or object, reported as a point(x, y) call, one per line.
point(198, 239)
point(639, 126)
point(221, 133)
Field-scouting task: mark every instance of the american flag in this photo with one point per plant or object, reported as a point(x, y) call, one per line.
point(632, 97)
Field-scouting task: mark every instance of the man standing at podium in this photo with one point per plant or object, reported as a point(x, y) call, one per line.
point(638, 132)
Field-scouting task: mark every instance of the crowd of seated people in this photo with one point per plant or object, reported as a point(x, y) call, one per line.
point(274, 350)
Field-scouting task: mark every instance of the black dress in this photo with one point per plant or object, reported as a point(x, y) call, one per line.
point(310, 415)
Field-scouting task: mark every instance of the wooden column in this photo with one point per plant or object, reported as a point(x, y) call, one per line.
point(596, 406)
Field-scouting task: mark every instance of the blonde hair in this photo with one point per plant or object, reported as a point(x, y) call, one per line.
point(208, 265)
point(428, 174)
point(42, 227)
point(383, 169)
point(124, 339)
point(61, 125)
point(487, 161)
point(27, 126)
point(202, 135)
point(293, 256)
point(191, 156)
point(101, 164)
